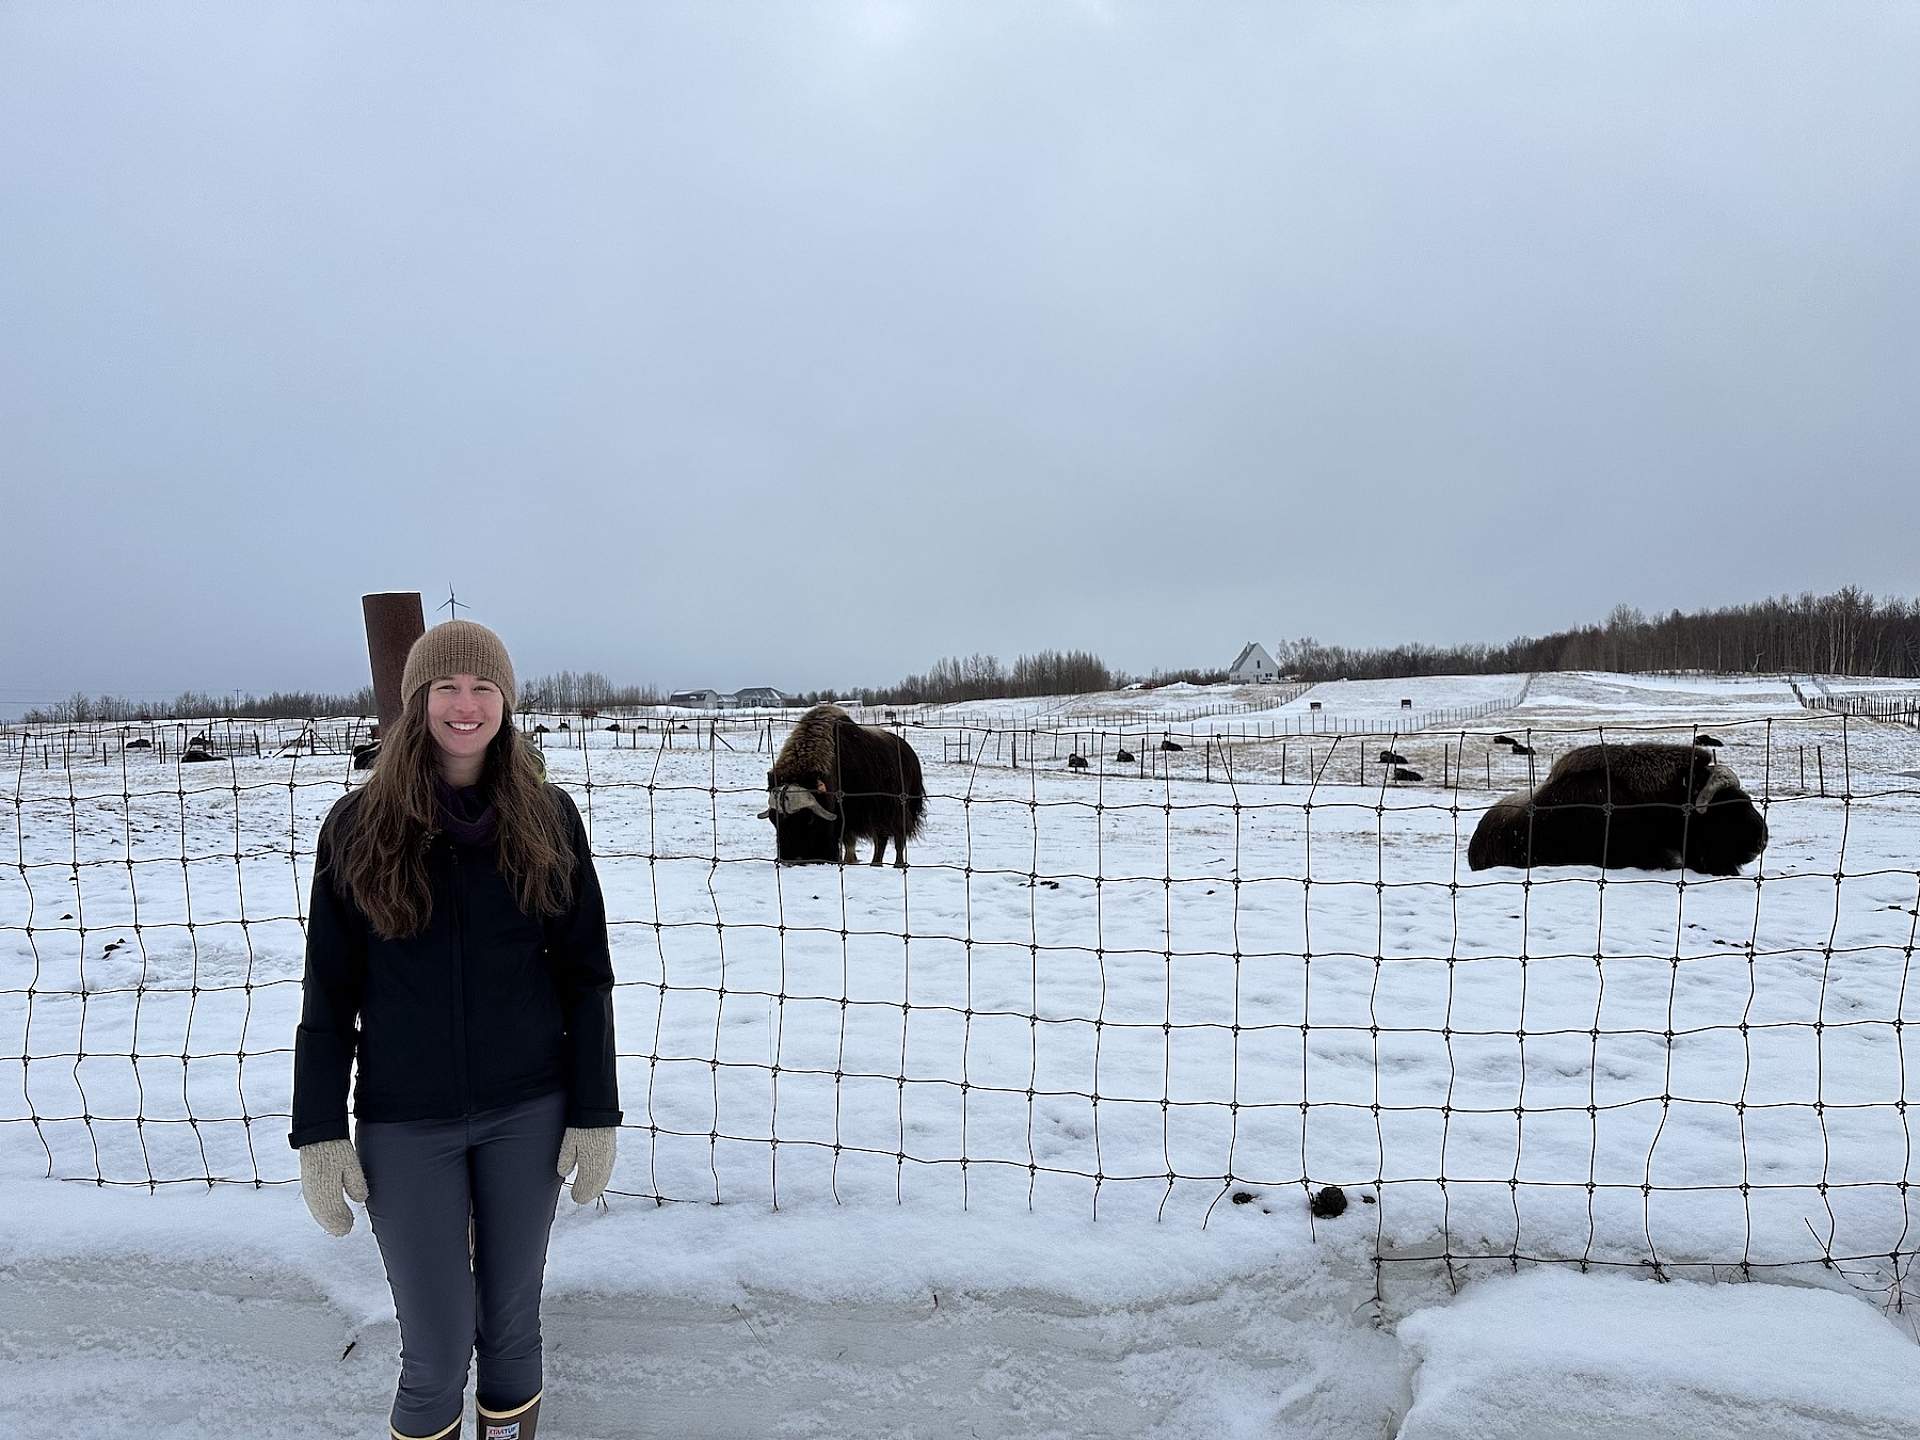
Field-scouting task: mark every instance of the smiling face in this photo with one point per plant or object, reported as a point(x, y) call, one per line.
point(463, 715)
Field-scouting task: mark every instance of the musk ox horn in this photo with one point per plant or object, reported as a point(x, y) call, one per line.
point(790, 799)
point(1719, 777)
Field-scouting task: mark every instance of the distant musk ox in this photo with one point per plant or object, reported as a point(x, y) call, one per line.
point(1076, 761)
point(835, 782)
point(1671, 806)
point(1401, 773)
point(1123, 757)
point(1392, 757)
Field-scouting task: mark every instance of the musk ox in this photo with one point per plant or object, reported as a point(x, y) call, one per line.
point(835, 782)
point(1392, 757)
point(1123, 757)
point(1404, 775)
point(1076, 761)
point(1638, 807)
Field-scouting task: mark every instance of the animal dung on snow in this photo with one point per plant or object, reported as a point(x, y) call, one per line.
point(1328, 1201)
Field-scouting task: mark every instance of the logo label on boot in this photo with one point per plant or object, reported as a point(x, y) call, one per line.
point(508, 1431)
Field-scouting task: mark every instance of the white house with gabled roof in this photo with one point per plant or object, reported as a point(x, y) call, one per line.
point(1253, 666)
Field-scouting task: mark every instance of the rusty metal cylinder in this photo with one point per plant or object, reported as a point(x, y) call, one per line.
point(394, 621)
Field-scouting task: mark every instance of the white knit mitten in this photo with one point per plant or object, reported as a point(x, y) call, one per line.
point(592, 1152)
point(328, 1167)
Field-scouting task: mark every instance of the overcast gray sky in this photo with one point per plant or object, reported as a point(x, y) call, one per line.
point(804, 344)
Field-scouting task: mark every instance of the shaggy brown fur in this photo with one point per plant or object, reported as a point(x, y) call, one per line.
point(835, 781)
point(1647, 807)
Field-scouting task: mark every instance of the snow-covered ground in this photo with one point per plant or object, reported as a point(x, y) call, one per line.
point(1074, 1073)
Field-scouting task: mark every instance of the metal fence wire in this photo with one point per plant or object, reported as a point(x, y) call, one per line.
point(1227, 967)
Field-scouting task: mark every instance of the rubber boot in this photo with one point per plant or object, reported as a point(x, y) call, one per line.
point(518, 1423)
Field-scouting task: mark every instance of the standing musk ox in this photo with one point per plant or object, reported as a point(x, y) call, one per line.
point(1637, 807)
point(835, 782)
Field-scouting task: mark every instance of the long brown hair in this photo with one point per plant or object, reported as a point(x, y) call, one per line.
point(381, 858)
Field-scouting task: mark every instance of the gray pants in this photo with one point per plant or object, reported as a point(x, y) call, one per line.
point(424, 1179)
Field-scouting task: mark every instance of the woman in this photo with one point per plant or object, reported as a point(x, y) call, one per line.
point(457, 949)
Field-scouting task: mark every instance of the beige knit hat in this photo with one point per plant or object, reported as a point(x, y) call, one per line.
point(458, 647)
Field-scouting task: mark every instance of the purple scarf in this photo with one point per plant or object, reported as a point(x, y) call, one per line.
point(466, 815)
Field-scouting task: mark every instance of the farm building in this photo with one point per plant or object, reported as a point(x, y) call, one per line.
point(696, 699)
point(1253, 666)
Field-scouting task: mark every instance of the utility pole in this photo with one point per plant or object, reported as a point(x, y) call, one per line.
point(394, 622)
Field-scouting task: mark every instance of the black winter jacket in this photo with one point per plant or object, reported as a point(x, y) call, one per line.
point(486, 1006)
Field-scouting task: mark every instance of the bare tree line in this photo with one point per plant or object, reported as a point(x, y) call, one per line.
point(82, 709)
point(984, 677)
point(564, 690)
point(1846, 633)
point(584, 690)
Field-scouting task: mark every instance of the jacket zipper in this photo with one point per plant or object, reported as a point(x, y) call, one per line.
point(461, 1079)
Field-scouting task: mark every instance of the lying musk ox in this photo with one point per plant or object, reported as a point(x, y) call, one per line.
point(1639, 807)
point(834, 782)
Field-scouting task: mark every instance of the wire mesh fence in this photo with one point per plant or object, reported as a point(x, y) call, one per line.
point(1199, 965)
